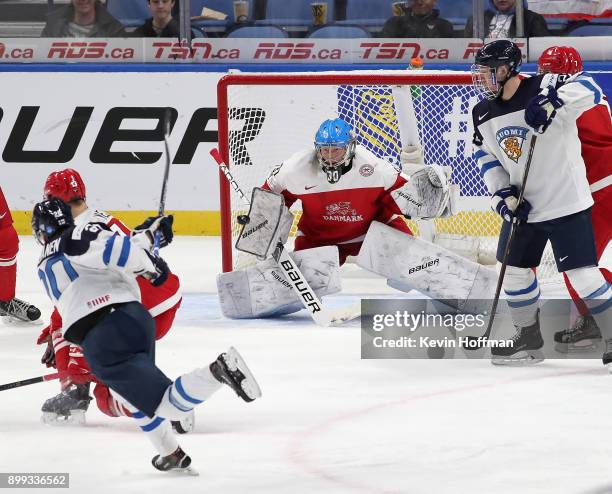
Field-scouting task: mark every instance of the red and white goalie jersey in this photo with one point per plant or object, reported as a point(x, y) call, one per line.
point(340, 213)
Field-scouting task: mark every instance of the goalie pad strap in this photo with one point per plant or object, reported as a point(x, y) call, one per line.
point(263, 291)
point(412, 263)
point(269, 223)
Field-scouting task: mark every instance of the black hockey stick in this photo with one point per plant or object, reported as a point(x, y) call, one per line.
point(32, 380)
point(477, 340)
point(162, 198)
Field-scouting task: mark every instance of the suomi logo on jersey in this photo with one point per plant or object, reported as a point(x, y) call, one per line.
point(511, 140)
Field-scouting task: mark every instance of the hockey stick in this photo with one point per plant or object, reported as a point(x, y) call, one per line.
point(32, 380)
point(475, 340)
point(162, 198)
point(294, 276)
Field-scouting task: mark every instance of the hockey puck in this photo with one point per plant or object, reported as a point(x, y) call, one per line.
point(243, 219)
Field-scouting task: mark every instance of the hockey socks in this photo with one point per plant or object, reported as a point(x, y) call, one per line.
point(523, 294)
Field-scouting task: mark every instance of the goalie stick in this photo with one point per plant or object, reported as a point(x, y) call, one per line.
point(162, 197)
point(294, 276)
point(474, 340)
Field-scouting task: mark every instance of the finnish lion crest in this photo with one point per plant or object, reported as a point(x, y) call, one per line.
point(511, 140)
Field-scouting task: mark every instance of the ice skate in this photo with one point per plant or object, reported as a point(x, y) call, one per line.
point(185, 425)
point(607, 356)
point(67, 407)
point(18, 310)
point(178, 461)
point(525, 349)
point(583, 336)
point(230, 369)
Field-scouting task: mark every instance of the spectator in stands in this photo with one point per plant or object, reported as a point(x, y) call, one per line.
point(162, 24)
point(500, 21)
point(82, 19)
point(420, 20)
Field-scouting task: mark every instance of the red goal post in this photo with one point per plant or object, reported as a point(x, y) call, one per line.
point(263, 118)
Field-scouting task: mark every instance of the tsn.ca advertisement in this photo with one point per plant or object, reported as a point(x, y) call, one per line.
point(221, 50)
point(109, 126)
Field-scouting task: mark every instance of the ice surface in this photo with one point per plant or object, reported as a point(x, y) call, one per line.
point(328, 421)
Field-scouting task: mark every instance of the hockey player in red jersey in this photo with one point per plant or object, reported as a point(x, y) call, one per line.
point(595, 133)
point(11, 308)
point(161, 301)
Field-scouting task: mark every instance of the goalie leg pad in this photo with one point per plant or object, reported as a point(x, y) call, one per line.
point(263, 291)
point(411, 263)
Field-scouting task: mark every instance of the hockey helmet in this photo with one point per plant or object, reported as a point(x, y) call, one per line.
point(560, 60)
point(489, 58)
point(335, 144)
point(50, 218)
point(66, 185)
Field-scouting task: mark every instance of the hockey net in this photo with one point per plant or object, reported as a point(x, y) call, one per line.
point(265, 118)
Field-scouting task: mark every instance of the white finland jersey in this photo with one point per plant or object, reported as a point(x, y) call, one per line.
point(557, 184)
point(90, 267)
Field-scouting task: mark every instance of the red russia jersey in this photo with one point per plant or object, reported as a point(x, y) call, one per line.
point(156, 300)
point(595, 133)
point(341, 212)
point(5, 215)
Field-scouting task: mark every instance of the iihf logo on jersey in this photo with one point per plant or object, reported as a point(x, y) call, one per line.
point(511, 140)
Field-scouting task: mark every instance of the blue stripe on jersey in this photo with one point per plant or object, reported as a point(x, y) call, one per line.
point(600, 291)
point(108, 249)
point(524, 291)
point(589, 85)
point(152, 425)
point(602, 307)
point(138, 415)
point(488, 166)
point(125, 252)
point(479, 154)
point(524, 303)
point(179, 387)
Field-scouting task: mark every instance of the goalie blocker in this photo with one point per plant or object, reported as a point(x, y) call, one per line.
point(268, 222)
point(411, 263)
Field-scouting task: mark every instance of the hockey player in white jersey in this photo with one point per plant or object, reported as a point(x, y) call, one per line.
point(557, 199)
point(89, 272)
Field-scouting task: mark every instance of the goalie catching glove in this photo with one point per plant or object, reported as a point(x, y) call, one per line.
point(267, 223)
point(428, 194)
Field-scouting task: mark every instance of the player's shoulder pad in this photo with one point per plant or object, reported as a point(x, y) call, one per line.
point(78, 242)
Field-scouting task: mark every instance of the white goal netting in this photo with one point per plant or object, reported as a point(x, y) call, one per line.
point(265, 118)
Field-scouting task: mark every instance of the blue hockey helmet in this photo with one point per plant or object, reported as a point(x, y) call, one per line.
point(50, 218)
point(489, 58)
point(335, 147)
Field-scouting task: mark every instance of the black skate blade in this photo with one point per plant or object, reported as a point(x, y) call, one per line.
point(76, 418)
point(190, 471)
point(583, 346)
point(520, 359)
point(11, 320)
point(249, 386)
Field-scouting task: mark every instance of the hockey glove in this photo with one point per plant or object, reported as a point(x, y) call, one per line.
point(161, 271)
point(504, 202)
point(542, 109)
point(48, 357)
point(152, 225)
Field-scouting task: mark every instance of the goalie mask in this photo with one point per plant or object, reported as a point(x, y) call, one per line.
point(335, 147)
point(49, 219)
point(492, 56)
